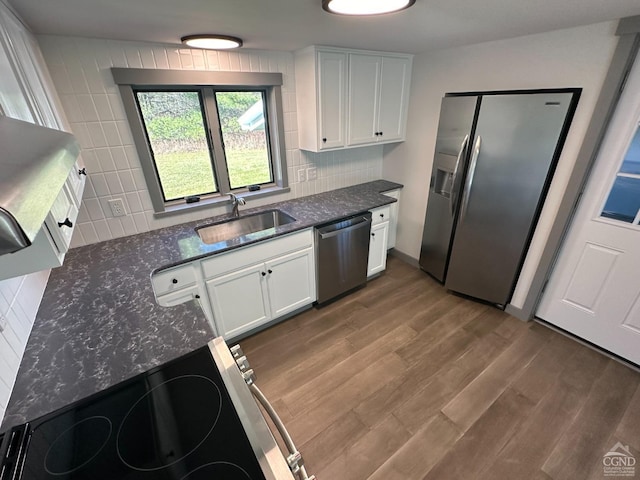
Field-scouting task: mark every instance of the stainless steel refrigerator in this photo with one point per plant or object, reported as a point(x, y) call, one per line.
point(494, 158)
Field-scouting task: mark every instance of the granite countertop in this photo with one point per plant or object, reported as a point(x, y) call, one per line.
point(98, 323)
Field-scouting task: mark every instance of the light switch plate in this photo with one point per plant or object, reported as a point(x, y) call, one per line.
point(302, 175)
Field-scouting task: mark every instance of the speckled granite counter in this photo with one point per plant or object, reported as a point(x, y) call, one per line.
point(98, 323)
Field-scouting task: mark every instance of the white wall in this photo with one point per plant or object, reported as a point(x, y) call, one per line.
point(19, 301)
point(91, 100)
point(577, 57)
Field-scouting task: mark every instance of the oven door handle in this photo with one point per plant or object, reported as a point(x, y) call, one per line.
point(295, 461)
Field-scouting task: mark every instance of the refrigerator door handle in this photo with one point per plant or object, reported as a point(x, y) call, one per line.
point(472, 170)
point(461, 153)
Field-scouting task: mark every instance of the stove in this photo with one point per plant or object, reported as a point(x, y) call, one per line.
point(190, 419)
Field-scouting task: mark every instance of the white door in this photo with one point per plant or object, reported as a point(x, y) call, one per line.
point(239, 300)
point(394, 98)
point(594, 291)
point(331, 72)
point(378, 248)
point(291, 282)
point(364, 85)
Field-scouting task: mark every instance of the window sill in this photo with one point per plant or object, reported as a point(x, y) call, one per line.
point(218, 200)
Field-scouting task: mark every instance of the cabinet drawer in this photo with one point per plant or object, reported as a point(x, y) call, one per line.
point(173, 279)
point(179, 296)
point(260, 252)
point(379, 215)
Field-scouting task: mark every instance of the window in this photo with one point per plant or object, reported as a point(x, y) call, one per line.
point(623, 201)
point(200, 140)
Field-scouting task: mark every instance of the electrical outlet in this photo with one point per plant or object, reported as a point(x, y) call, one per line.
point(117, 207)
point(312, 173)
point(302, 175)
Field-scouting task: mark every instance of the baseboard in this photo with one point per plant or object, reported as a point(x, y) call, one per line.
point(405, 257)
point(517, 312)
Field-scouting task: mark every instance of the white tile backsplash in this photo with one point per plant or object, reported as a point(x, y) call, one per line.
point(81, 71)
point(99, 184)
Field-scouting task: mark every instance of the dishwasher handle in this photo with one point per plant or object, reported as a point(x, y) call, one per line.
point(333, 230)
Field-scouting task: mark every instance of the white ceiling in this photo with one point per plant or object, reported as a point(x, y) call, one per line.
point(293, 24)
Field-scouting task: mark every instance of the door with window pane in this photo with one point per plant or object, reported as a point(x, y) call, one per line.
point(594, 291)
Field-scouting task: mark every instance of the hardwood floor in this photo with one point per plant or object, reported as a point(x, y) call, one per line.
point(402, 380)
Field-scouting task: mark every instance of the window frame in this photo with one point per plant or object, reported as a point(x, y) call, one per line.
point(132, 80)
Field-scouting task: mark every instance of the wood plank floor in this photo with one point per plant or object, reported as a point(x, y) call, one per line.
point(402, 380)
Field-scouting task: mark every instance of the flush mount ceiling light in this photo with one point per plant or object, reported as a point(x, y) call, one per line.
point(365, 7)
point(212, 42)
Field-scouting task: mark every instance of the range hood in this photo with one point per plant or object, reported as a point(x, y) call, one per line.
point(34, 164)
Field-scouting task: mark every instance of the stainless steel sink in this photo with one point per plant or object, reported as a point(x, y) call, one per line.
point(238, 227)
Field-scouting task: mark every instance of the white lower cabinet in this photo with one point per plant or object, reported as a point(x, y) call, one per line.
point(240, 300)
point(247, 298)
point(291, 281)
point(245, 288)
point(257, 284)
point(378, 248)
point(393, 216)
point(379, 240)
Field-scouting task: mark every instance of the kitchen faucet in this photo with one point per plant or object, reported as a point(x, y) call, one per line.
point(236, 202)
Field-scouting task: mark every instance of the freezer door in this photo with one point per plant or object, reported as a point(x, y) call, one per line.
point(456, 122)
point(511, 155)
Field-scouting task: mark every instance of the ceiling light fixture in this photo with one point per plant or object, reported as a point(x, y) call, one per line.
point(365, 7)
point(212, 42)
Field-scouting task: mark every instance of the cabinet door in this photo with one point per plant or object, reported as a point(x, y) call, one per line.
point(393, 98)
point(378, 248)
point(393, 217)
point(62, 218)
point(291, 282)
point(239, 300)
point(331, 99)
point(364, 79)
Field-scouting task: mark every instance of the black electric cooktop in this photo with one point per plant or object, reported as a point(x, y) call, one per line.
point(175, 422)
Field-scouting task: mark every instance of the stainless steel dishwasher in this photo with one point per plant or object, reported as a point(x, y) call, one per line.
point(342, 253)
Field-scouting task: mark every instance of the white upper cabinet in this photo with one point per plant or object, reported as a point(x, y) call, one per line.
point(321, 86)
point(378, 98)
point(350, 98)
point(332, 69)
point(26, 93)
point(364, 87)
point(393, 99)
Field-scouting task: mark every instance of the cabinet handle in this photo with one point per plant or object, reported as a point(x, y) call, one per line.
point(263, 274)
point(270, 271)
point(174, 281)
point(197, 296)
point(377, 133)
point(373, 234)
point(66, 223)
point(324, 140)
point(382, 215)
point(83, 171)
point(381, 133)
